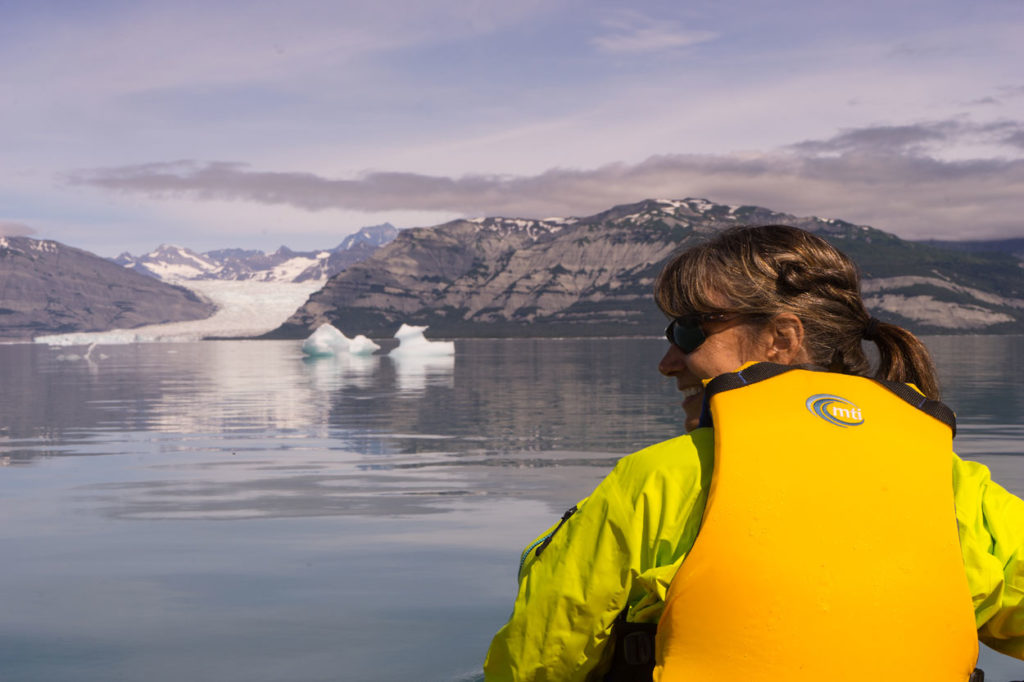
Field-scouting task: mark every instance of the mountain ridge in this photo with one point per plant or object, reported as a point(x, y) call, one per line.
point(173, 263)
point(50, 288)
point(1012, 245)
point(592, 275)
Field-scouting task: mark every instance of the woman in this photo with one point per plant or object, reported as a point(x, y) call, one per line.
point(773, 294)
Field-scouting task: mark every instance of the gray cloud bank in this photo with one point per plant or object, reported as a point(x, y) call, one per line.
point(13, 229)
point(886, 176)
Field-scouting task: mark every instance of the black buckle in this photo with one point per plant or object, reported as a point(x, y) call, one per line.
point(638, 648)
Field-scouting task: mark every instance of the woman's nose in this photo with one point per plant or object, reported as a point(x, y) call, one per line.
point(673, 362)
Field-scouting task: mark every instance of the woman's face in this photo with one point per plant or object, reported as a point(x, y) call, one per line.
point(726, 348)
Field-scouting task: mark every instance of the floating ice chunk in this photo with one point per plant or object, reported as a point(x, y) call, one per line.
point(111, 338)
point(326, 340)
point(361, 345)
point(411, 342)
point(68, 357)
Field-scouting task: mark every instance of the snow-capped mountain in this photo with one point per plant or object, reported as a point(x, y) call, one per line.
point(177, 263)
point(593, 275)
point(372, 237)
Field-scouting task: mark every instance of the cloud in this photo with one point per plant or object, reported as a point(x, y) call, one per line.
point(880, 139)
point(915, 139)
point(634, 33)
point(1011, 91)
point(1015, 138)
point(877, 175)
point(112, 51)
point(923, 51)
point(12, 229)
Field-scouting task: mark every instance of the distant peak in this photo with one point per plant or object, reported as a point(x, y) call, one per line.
point(697, 204)
point(167, 248)
point(372, 235)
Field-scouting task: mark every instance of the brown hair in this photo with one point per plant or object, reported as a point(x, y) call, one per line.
point(777, 268)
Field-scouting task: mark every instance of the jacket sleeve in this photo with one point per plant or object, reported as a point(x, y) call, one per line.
point(643, 515)
point(991, 525)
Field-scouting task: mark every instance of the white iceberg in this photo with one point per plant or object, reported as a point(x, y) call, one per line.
point(361, 345)
point(328, 340)
point(412, 343)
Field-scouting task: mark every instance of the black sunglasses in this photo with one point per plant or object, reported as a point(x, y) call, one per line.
point(688, 333)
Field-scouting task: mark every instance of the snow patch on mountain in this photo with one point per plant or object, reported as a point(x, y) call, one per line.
point(290, 270)
point(929, 310)
point(888, 284)
point(534, 229)
point(41, 245)
point(177, 264)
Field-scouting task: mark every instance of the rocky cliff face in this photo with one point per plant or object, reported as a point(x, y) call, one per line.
point(935, 289)
point(594, 275)
point(49, 288)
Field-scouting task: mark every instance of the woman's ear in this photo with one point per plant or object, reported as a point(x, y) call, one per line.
point(784, 338)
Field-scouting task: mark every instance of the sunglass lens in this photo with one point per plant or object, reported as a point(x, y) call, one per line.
point(686, 333)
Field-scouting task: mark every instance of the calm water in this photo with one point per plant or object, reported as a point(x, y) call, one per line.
point(231, 511)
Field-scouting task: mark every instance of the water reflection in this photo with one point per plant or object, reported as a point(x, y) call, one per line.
point(284, 518)
point(493, 397)
point(413, 374)
point(979, 376)
point(329, 373)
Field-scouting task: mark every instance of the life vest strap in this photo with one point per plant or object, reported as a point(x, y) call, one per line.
point(766, 370)
point(633, 653)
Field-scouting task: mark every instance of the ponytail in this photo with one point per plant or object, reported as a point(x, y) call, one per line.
point(902, 357)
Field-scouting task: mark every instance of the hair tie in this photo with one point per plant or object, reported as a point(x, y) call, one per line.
point(871, 329)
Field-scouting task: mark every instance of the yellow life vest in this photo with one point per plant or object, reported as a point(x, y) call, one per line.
point(829, 547)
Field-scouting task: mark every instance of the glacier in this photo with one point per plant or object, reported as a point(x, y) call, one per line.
point(244, 308)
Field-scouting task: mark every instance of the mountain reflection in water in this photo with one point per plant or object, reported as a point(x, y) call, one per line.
point(231, 510)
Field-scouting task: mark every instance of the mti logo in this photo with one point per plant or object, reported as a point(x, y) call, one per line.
point(835, 410)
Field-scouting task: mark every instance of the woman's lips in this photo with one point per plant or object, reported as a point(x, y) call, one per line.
point(692, 396)
point(689, 391)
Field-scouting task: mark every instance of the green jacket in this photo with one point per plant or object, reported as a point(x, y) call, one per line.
point(623, 546)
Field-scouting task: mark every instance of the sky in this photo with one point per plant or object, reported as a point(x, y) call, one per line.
point(217, 124)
